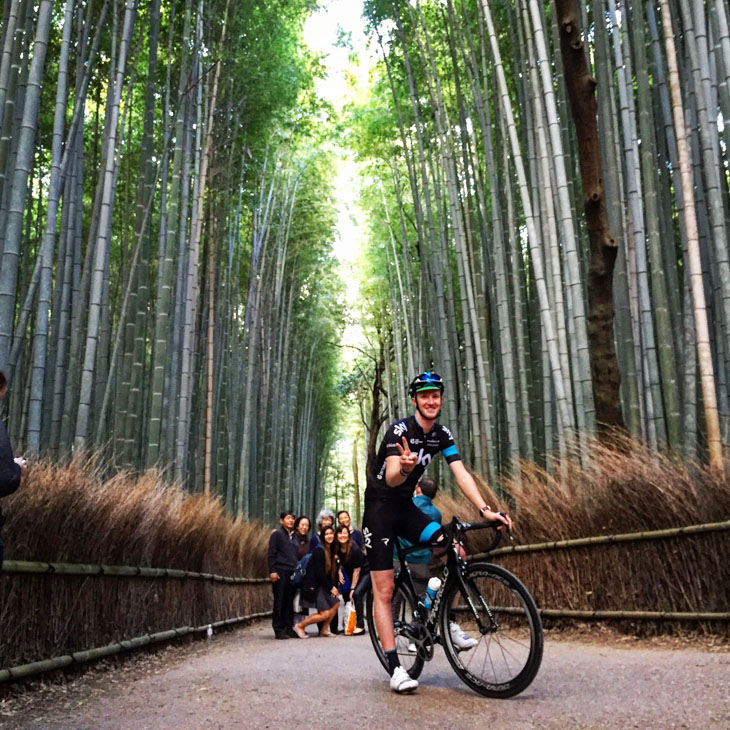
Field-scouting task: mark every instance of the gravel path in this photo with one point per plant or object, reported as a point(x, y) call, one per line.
point(246, 679)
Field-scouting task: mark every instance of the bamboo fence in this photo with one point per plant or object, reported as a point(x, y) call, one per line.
point(612, 540)
point(120, 571)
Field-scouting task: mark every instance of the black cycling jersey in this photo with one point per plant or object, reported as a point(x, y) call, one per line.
point(438, 439)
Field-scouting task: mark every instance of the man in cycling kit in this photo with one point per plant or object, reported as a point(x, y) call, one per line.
point(407, 449)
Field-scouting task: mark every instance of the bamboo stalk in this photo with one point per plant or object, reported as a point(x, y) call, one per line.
point(130, 571)
point(80, 657)
point(641, 615)
point(608, 539)
point(600, 615)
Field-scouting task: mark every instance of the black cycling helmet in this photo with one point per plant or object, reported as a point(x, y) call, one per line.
point(425, 381)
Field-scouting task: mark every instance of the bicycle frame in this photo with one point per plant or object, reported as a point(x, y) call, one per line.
point(456, 567)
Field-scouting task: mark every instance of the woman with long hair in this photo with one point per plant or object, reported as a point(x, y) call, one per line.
point(351, 561)
point(323, 568)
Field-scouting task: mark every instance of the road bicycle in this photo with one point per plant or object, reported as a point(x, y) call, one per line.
point(490, 604)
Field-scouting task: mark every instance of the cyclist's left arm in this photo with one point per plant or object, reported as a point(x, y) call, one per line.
point(470, 490)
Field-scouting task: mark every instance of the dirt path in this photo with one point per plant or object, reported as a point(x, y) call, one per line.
point(247, 680)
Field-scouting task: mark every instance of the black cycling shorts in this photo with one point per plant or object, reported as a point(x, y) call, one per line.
point(384, 521)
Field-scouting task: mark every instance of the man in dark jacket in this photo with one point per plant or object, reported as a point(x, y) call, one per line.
point(282, 561)
point(12, 469)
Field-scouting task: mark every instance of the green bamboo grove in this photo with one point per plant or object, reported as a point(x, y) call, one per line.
point(546, 187)
point(168, 295)
point(566, 279)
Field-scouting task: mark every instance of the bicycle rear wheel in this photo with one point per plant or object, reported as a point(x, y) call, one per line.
point(501, 615)
point(403, 607)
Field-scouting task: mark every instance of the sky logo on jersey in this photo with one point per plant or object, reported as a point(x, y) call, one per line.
point(424, 459)
point(366, 538)
point(399, 429)
point(385, 540)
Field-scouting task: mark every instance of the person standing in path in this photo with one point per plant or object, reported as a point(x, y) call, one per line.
point(12, 469)
point(343, 518)
point(282, 562)
point(407, 449)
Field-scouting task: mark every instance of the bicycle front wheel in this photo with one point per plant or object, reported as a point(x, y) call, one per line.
point(402, 608)
point(499, 614)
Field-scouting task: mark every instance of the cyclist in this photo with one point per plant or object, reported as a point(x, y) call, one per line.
point(407, 449)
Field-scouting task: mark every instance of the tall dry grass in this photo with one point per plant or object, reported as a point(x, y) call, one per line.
point(72, 514)
point(622, 490)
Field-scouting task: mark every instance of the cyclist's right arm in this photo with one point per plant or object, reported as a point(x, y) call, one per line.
point(398, 467)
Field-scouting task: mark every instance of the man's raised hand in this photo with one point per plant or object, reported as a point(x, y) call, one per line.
point(407, 458)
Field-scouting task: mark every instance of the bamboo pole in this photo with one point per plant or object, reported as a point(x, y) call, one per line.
point(607, 539)
point(129, 571)
point(603, 615)
point(704, 354)
point(80, 657)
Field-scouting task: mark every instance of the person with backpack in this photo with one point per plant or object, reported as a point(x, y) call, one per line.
point(282, 559)
point(301, 537)
point(319, 586)
point(12, 469)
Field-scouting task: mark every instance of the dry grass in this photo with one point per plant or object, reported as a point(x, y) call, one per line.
point(71, 514)
point(629, 489)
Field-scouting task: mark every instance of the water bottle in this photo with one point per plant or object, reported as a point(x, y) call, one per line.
point(432, 589)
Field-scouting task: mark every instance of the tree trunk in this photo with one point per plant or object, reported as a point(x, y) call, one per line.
point(581, 92)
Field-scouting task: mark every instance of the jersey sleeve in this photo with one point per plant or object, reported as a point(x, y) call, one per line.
point(448, 446)
point(393, 437)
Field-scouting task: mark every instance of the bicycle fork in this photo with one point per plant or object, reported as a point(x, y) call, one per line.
point(493, 625)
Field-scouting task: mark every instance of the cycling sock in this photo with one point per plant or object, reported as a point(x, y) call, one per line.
point(393, 660)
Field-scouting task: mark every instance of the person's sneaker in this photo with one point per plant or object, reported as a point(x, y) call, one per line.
point(281, 635)
point(292, 634)
point(300, 632)
point(401, 682)
point(461, 639)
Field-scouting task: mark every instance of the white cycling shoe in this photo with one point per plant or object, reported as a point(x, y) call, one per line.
point(461, 639)
point(401, 682)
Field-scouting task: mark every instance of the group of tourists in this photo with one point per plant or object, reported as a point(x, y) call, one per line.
point(312, 576)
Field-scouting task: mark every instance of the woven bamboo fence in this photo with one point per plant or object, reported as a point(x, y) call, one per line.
point(58, 610)
point(159, 595)
point(679, 575)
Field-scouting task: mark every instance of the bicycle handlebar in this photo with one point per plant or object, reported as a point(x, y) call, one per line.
point(456, 526)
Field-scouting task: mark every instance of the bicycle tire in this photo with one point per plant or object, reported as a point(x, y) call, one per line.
point(508, 653)
point(411, 662)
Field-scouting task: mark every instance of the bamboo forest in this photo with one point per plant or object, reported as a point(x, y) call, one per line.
point(541, 206)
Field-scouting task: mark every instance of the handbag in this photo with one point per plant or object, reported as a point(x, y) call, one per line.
point(350, 618)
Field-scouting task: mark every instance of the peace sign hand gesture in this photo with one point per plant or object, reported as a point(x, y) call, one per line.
point(407, 458)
